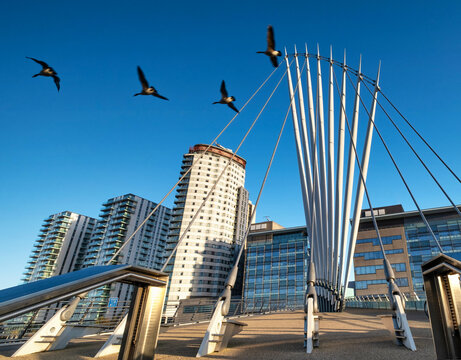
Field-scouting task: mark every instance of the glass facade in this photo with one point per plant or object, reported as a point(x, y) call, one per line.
point(373, 255)
point(421, 246)
point(276, 268)
point(417, 244)
point(371, 269)
point(387, 240)
point(363, 284)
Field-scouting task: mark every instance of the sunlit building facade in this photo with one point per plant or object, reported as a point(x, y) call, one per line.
point(61, 245)
point(119, 218)
point(204, 257)
point(408, 243)
point(276, 263)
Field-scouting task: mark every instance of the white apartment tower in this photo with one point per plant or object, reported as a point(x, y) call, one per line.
point(119, 218)
point(60, 247)
point(206, 254)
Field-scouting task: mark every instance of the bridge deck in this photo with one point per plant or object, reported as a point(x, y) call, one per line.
point(355, 334)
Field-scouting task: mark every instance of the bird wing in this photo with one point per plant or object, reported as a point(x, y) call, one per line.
point(274, 61)
point(160, 96)
point(232, 106)
point(57, 81)
point(223, 89)
point(270, 38)
point(44, 64)
point(142, 79)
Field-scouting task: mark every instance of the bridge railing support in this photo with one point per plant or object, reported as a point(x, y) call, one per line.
point(443, 291)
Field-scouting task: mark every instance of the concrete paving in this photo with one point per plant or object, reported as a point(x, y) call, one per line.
point(354, 334)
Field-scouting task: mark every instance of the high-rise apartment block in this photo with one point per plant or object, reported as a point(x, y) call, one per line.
point(206, 254)
point(119, 218)
point(61, 245)
point(69, 242)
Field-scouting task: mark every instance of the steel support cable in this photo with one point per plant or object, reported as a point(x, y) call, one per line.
point(320, 132)
point(401, 175)
point(362, 179)
point(417, 155)
point(268, 168)
point(420, 136)
point(337, 63)
point(315, 176)
point(313, 146)
point(189, 170)
point(220, 175)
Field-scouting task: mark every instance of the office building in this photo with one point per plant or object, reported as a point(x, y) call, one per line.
point(276, 265)
point(368, 258)
point(206, 254)
point(408, 243)
point(60, 247)
point(119, 218)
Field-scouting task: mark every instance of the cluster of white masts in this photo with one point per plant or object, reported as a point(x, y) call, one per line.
point(327, 192)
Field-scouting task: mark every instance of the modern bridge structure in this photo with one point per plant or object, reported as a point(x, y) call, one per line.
point(330, 103)
point(323, 130)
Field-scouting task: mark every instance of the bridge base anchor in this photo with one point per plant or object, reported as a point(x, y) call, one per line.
point(219, 332)
point(397, 325)
point(52, 335)
point(311, 327)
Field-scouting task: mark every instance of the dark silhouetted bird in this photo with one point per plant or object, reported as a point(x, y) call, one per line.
point(47, 71)
point(270, 51)
point(225, 98)
point(146, 89)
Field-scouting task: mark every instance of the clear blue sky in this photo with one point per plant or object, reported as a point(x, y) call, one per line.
point(74, 149)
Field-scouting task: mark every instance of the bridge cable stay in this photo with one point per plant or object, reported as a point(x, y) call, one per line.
point(316, 221)
point(339, 176)
point(113, 339)
point(311, 300)
point(315, 200)
point(306, 175)
point(417, 155)
point(360, 186)
point(303, 154)
point(339, 64)
point(328, 299)
point(421, 137)
point(219, 332)
point(319, 224)
point(349, 177)
point(401, 328)
point(316, 245)
point(316, 250)
point(320, 121)
point(330, 245)
point(330, 179)
point(190, 169)
point(220, 175)
point(322, 240)
point(108, 348)
point(404, 181)
point(317, 150)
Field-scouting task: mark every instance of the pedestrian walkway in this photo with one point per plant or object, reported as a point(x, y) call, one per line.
point(354, 334)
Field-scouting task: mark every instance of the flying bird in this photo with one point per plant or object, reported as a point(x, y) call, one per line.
point(47, 71)
point(270, 51)
point(225, 98)
point(146, 89)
